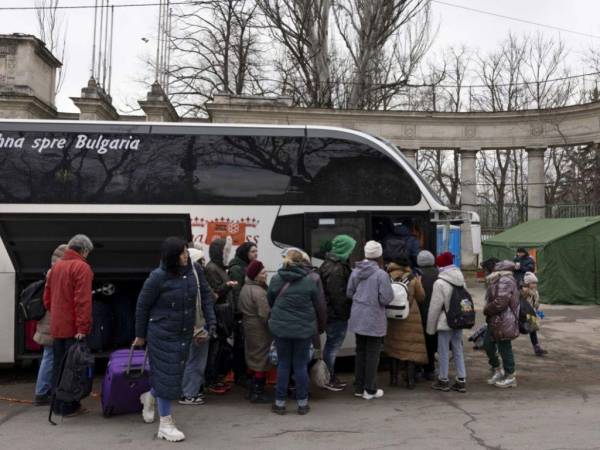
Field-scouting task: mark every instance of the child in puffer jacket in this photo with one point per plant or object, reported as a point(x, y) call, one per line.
point(529, 292)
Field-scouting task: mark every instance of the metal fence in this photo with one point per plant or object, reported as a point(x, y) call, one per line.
point(569, 211)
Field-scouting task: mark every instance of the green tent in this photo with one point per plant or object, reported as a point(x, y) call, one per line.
point(567, 253)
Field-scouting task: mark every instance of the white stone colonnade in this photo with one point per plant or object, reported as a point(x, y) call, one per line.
point(469, 133)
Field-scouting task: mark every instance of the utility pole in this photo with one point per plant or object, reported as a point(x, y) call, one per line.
point(94, 44)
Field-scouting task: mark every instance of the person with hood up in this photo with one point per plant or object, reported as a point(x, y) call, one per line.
point(335, 273)
point(405, 339)
point(222, 287)
point(216, 270)
point(293, 298)
point(401, 241)
point(244, 255)
point(370, 289)
point(195, 368)
point(437, 322)
point(164, 319)
point(502, 305)
point(529, 293)
point(429, 275)
point(43, 385)
point(523, 264)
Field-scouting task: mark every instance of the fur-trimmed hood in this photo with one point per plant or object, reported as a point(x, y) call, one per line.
point(220, 251)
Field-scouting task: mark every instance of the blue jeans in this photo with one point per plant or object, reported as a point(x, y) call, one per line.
point(445, 338)
point(193, 376)
point(43, 386)
point(164, 405)
point(336, 333)
point(292, 354)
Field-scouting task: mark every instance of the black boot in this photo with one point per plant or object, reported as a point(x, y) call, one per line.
point(393, 372)
point(257, 392)
point(411, 371)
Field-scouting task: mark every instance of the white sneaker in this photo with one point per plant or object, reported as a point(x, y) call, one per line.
point(509, 382)
point(498, 375)
point(377, 394)
point(148, 412)
point(168, 431)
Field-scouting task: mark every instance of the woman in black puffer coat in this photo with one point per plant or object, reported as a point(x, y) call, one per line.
point(165, 317)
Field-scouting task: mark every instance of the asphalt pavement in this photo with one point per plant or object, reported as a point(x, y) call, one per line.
point(556, 406)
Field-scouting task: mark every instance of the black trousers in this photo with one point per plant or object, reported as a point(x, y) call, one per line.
point(368, 351)
point(239, 352)
point(431, 342)
point(534, 338)
point(61, 347)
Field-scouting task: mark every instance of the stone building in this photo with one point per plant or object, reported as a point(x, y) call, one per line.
point(27, 78)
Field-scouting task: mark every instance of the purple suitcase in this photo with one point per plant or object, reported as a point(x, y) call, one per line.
point(127, 377)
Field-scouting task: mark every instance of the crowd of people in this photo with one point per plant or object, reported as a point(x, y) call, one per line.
point(200, 321)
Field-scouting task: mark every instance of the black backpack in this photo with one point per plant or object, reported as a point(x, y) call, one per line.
point(393, 248)
point(461, 313)
point(75, 377)
point(32, 301)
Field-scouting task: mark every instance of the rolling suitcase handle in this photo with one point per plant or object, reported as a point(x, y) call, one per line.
point(143, 368)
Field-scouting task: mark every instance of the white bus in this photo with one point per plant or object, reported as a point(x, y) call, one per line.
point(129, 185)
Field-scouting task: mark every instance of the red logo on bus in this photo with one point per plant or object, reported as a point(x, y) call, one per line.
point(223, 227)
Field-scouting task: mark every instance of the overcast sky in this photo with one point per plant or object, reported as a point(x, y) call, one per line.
point(456, 27)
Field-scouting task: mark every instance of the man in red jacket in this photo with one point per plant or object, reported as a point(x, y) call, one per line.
point(68, 298)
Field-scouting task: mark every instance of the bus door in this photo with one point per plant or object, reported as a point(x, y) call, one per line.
point(321, 228)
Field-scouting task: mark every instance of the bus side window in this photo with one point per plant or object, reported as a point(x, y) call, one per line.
point(341, 172)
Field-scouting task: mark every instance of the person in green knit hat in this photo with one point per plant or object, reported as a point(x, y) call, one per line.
point(335, 273)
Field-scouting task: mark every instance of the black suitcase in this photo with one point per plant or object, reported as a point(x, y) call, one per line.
point(101, 337)
point(124, 319)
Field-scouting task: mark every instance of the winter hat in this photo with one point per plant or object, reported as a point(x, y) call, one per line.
point(342, 246)
point(425, 259)
point(529, 278)
point(195, 254)
point(254, 268)
point(444, 260)
point(373, 250)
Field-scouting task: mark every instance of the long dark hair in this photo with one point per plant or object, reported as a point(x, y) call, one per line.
point(172, 247)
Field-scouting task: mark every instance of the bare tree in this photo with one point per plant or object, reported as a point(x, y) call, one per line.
point(501, 74)
point(215, 48)
point(442, 170)
point(301, 27)
point(378, 36)
point(544, 62)
point(52, 29)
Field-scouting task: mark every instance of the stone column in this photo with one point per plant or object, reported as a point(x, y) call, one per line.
point(411, 155)
point(157, 106)
point(95, 103)
point(536, 193)
point(468, 203)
